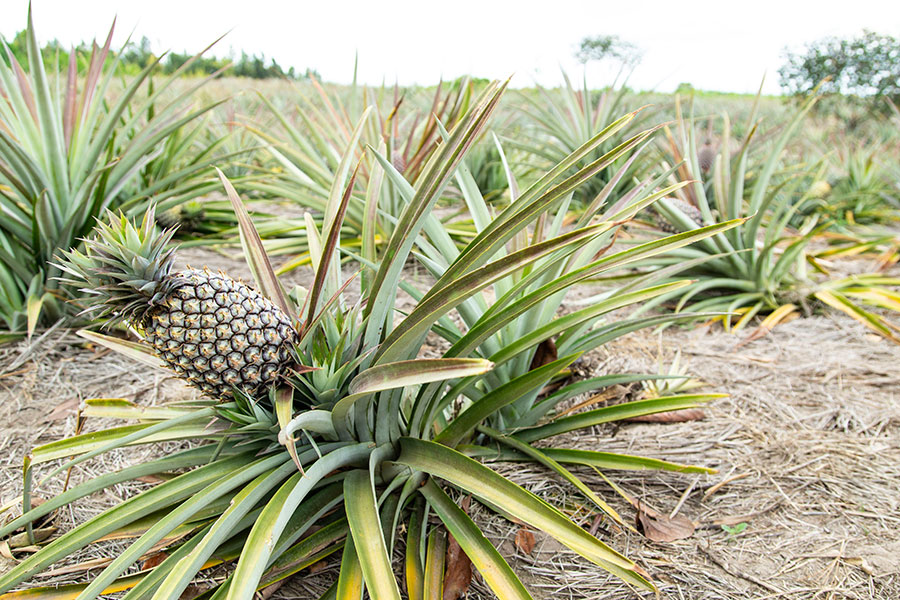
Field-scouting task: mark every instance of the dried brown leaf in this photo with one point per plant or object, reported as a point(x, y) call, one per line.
point(862, 563)
point(152, 479)
point(616, 391)
point(154, 560)
point(193, 591)
point(660, 528)
point(671, 416)
point(545, 354)
point(318, 566)
point(268, 591)
point(20, 540)
point(87, 565)
point(6, 552)
point(524, 541)
point(62, 410)
point(458, 571)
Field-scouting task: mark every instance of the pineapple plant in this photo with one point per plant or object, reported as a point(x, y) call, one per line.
point(73, 144)
point(187, 218)
point(215, 332)
point(761, 267)
point(305, 159)
point(367, 441)
point(556, 122)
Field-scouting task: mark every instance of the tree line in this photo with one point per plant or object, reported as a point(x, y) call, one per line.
point(138, 55)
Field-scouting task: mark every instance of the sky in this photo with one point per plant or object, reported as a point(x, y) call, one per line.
point(713, 45)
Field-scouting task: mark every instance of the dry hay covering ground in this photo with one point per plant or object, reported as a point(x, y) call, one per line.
point(807, 445)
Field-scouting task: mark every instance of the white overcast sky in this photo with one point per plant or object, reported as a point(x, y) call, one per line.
point(716, 45)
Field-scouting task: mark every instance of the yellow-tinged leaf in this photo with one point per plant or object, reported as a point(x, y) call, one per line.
point(34, 312)
point(120, 408)
point(870, 320)
point(135, 350)
point(72, 591)
point(255, 253)
point(495, 570)
point(482, 482)
point(778, 315)
point(284, 409)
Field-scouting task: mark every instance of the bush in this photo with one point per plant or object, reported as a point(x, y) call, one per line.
point(866, 66)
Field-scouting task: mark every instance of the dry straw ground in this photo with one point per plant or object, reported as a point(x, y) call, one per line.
point(807, 448)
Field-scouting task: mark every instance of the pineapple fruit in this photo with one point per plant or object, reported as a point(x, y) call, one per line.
point(689, 210)
point(213, 331)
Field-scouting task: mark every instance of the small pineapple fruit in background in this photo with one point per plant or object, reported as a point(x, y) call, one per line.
point(689, 210)
point(706, 156)
point(187, 217)
point(820, 189)
point(214, 331)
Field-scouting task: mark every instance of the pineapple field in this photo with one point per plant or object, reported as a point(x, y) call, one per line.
point(286, 338)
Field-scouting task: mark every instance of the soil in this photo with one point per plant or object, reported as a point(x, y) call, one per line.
point(805, 502)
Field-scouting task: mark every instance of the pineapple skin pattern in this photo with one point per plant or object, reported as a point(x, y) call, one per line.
point(689, 210)
point(219, 333)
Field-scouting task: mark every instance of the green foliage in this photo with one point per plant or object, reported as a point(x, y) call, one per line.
point(252, 66)
point(761, 266)
point(366, 439)
point(608, 47)
point(865, 191)
point(114, 287)
point(309, 167)
point(72, 147)
point(557, 122)
point(864, 66)
point(732, 530)
point(136, 56)
point(53, 52)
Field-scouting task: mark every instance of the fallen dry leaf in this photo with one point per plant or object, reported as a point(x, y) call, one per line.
point(20, 540)
point(94, 563)
point(154, 560)
point(6, 552)
point(317, 566)
point(862, 563)
point(660, 528)
point(458, 572)
point(616, 391)
point(46, 519)
point(192, 591)
point(268, 591)
point(524, 541)
point(671, 416)
point(152, 479)
point(62, 410)
point(546, 353)
point(878, 560)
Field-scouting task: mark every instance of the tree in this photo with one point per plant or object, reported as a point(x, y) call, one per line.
point(604, 47)
point(865, 66)
point(138, 55)
point(53, 52)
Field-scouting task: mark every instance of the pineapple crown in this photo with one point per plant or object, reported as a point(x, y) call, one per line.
point(124, 267)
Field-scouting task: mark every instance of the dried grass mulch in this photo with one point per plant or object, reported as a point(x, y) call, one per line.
point(807, 445)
